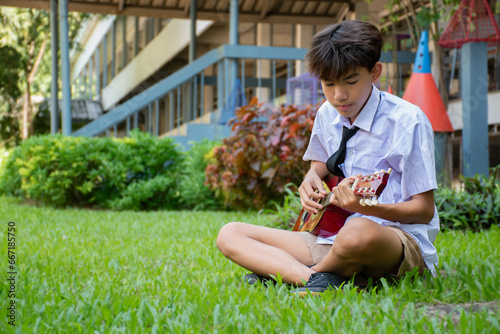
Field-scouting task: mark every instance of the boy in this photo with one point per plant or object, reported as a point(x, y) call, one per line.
point(391, 238)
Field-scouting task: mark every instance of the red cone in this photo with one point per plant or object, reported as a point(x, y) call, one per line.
point(423, 92)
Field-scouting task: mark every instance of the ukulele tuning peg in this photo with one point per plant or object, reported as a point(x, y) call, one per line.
point(362, 202)
point(374, 201)
point(368, 202)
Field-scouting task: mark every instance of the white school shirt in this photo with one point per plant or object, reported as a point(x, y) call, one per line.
point(393, 133)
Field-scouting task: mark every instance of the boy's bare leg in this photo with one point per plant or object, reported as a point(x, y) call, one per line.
point(363, 246)
point(265, 251)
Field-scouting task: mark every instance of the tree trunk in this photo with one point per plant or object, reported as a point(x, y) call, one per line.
point(26, 116)
point(434, 33)
point(27, 125)
point(395, 59)
point(439, 58)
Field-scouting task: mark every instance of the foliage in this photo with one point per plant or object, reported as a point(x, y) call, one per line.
point(9, 76)
point(10, 93)
point(286, 213)
point(263, 153)
point(22, 34)
point(102, 172)
point(440, 11)
point(154, 193)
point(418, 17)
point(195, 195)
point(475, 207)
point(82, 271)
point(9, 127)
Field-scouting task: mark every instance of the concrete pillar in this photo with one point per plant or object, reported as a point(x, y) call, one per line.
point(85, 77)
point(434, 63)
point(97, 61)
point(191, 93)
point(90, 71)
point(54, 102)
point(65, 75)
point(136, 35)
point(105, 61)
point(233, 22)
point(474, 82)
point(78, 83)
point(208, 94)
point(124, 41)
point(192, 40)
point(263, 65)
point(303, 38)
point(113, 50)
point(233, 40)
point(440, 146)
point(220, 87)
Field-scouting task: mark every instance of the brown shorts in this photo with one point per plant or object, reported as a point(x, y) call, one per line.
point(412, 254)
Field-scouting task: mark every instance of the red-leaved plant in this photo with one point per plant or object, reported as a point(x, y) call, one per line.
point(262, 155)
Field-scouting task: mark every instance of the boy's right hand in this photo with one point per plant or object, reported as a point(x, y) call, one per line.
point(311, 188)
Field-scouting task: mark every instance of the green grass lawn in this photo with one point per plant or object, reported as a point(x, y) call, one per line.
point(160, 272)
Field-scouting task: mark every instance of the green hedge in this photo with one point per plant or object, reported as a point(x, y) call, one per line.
point(140, 172)
point(195, 194)
point(475, 207)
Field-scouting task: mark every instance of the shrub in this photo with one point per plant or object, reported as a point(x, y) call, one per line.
point(287, 212)
point(475, 207)
point(62, 171)
point(262, 155)
point(157, 192)
point(194, 194)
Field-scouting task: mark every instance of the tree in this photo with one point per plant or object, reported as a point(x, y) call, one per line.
point(24, 39)
point(24, 33)
point(10, 92)
point(424, 17)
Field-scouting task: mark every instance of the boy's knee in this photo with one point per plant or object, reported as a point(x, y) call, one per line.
point(356, 238)
point(226, 237)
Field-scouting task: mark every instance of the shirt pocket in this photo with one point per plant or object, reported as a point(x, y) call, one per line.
point(368, 164)
point(372, 164)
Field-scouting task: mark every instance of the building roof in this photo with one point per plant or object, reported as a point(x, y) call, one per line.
point(262, 11)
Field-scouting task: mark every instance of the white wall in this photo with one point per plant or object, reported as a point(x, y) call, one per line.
point(99, 29)
point(168, 43)
point(455, 111)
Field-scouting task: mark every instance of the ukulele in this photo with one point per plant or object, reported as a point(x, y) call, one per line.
point(329, 220)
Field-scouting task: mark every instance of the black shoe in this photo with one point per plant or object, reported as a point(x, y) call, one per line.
point(320, 282)
point(252, 279)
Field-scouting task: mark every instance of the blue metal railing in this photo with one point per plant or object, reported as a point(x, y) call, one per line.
point(173, 91)
point(181, 98)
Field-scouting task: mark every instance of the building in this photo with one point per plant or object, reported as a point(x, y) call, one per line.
point(170, 67)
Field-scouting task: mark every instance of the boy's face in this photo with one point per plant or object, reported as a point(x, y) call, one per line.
point(349, 94)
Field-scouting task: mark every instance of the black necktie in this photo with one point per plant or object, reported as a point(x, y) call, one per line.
point(338, 157)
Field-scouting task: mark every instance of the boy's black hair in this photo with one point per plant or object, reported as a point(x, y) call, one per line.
point(341, 47)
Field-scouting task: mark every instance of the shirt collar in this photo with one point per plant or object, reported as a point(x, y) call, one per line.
point(365, 118)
